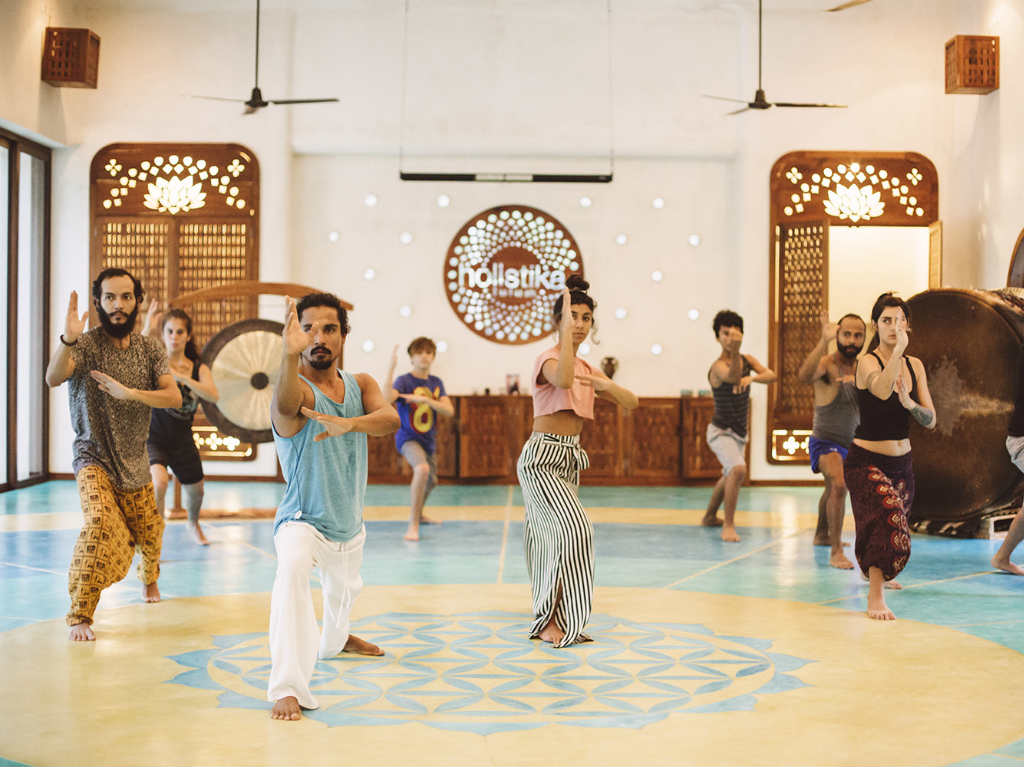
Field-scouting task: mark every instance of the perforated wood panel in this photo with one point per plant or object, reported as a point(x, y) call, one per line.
point(140, 246)
point(214, 254)
point(803, 268)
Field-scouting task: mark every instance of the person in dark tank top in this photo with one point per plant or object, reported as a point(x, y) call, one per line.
point(170, 443)
point(836, 415)
point(892, 388)
point(730, 377)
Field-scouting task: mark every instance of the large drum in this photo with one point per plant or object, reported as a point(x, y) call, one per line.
point(970, 343)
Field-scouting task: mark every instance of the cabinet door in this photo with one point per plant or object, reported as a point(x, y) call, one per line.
point(602, 439)
point(384, 463)
point(447, 444)
point(698, 460)
point(655, 445)
point(484, 439)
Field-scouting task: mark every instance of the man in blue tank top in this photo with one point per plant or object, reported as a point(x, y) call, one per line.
point(321, 417)
point(836, 417)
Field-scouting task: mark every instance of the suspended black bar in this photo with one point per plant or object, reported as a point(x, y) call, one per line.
point(535, 178)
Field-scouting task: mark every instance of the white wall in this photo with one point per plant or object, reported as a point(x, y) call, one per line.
point(523, 82)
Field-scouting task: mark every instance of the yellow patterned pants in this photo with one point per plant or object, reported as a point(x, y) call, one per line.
point(116, 521)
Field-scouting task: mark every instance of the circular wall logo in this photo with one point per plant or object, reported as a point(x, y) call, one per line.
point(504, 269)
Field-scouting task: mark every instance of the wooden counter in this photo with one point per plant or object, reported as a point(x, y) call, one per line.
point(660, 443)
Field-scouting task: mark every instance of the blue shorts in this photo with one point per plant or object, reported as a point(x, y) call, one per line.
point(819, 447)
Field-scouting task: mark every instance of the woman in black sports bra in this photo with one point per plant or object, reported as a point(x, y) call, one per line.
point(891, 388)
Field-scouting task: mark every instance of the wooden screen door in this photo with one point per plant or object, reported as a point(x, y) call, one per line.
point(799, 296)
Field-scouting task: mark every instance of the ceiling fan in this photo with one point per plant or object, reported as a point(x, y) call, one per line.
point(760, 102)
point(848, 4)
point(256, 100)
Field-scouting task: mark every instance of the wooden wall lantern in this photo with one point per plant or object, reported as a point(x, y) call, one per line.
point(972, 64)
point(71, 57)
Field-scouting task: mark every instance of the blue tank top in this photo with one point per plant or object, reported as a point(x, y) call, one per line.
point(325, 481)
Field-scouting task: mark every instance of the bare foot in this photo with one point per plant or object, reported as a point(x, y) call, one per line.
point(197, 533)
point(877, 609)
point(81, 632)
point(287, 709)
point(839, 561)
point(1006, 566)
point(893, 585)
point(551, 633)
point(425, 520)
point(150, 592)
point(412, 534)
point(729, 534)
point(710, 520)
point(361, 647)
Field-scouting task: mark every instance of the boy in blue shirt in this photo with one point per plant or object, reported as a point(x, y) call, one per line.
point(420, 397)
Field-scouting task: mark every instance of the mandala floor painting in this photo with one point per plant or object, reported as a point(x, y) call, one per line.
point(756, 653)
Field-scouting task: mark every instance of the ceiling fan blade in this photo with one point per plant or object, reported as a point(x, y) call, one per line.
point(812, 106)
point(848, 4)
point(218, 98)
point(300, 101)
point(745, 109)
point(723, 98)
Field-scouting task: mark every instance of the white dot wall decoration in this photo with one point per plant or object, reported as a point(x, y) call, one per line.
point(369, 274)
point(693, 314)
point(584, 348)
point(333, 236)
point(443, 201)
point(442, 346)
point(368, 345)
point(694, 240)
point(405, 310)
point(656, 275)
point(621, 239)
point(658, 203)
point(405, 238)
point(656, 349)
point(585, 202)
point(370, 200)
point(621, 313)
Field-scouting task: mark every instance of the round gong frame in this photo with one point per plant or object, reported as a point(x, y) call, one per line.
point(209, 354)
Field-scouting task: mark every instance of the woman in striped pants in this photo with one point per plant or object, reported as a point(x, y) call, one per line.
point(558, 537)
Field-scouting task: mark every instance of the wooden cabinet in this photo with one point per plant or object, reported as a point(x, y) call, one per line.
point(662, 442)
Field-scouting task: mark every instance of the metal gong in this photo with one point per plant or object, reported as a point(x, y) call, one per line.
point(245, 359)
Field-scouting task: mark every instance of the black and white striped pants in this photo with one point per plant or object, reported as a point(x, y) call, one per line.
point(557, 535)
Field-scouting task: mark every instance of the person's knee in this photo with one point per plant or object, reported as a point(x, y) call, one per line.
point(194, 491)
point(160, 482)
point(738, 472)
point(421, 471)
point(837, 488)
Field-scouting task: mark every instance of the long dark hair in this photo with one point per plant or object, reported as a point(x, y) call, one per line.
point(882, 303)
point(190, 346)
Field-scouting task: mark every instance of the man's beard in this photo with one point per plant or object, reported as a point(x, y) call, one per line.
point(320, 363)
point(849, 352)
point(117, 331)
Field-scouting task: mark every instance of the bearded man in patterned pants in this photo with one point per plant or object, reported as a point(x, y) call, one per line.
point(116, 376)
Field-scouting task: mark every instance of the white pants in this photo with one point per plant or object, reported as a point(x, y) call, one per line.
point(294, 642)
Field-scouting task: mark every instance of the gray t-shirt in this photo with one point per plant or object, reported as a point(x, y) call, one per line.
point(111, 433)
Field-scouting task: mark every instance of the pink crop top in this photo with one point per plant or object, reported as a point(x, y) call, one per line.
point(548, 398)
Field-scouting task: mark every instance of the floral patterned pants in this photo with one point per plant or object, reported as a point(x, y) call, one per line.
point(881, 492)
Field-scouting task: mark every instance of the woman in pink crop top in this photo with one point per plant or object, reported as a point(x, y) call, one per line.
point(557, 534)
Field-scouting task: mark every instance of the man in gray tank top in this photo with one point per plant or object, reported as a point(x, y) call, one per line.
point(835, 419)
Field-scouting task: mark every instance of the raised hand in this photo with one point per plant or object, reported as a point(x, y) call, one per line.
point(416, 399)
point(295, 338)
point(902, 340)
point(600, 383)
point(334, 426)
point(829, 329)
point(111, 386)
point(394, 357)
point(734, 341)
point(566, 325)
point(73, 325)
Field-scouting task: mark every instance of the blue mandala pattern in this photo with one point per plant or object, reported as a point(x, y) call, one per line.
point(478, 672)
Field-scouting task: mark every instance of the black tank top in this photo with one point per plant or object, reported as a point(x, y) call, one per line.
point(171, 425)
point(884, 418)
point(731, 408)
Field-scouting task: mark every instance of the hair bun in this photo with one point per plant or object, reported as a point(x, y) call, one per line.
point(576, 282)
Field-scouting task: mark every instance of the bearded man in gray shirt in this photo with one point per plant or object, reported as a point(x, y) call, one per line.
point(116, 376)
